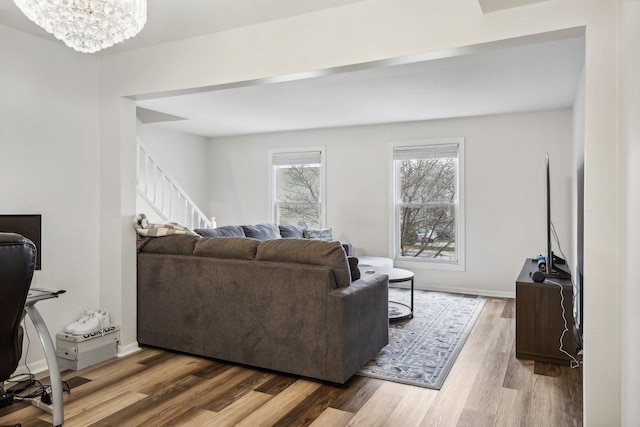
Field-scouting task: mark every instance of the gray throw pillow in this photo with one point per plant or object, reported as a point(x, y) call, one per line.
point(224, 231)
point(262, 231)
point(295, 231)
point(318, 234)
point(353, 267)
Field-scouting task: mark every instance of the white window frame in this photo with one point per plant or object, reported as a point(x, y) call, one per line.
point(394, 237)
point(273, 203)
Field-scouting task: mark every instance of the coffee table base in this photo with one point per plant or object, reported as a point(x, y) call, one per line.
point(369, 265)
point(399, 311)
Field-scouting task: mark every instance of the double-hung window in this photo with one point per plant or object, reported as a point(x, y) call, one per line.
point(297, 186)
point(428, 203)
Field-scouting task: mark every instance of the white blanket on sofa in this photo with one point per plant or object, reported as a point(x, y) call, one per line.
point(144, 228)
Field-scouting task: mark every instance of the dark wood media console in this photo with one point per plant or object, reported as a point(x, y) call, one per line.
point(539, 322)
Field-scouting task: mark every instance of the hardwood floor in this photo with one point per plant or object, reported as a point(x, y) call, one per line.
point(487, 386)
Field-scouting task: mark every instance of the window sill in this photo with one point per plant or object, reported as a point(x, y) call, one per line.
point(428, 265)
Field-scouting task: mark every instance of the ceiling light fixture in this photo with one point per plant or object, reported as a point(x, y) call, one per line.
point(87, 25)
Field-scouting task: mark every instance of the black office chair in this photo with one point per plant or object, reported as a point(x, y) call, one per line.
point(17, 262)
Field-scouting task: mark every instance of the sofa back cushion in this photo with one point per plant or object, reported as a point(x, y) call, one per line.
point(227, 247)
point(262, 231)
point(304, 251)
point(177, 244)
point(224, 231)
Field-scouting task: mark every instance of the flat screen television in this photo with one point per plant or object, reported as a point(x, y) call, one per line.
point(555, 267)
point(27, 225)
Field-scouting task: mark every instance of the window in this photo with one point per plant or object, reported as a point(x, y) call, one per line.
point(297, 190)
point(428, 223)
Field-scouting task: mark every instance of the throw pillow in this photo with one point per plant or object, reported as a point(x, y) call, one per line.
point(224, 231)
point(262, 231)
point(353, 267)
point(318, 234)
point(295, 231)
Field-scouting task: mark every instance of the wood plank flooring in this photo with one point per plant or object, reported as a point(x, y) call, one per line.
point(487, 386)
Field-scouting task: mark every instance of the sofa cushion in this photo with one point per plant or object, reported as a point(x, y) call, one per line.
point(292, 230)
point(262, 231)
point(318, 234)
point(304, 251)
point(177, 244)
point(227, 247)
point(224, 231)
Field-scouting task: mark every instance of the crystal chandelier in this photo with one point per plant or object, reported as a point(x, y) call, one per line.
point(87, 25)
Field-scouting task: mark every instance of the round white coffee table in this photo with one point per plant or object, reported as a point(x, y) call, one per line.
point(369, 265)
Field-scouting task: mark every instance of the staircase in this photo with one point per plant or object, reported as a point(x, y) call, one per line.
point(164, 195)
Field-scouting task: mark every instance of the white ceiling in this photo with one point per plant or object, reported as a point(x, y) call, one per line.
point(489, 6)
point(534, 76)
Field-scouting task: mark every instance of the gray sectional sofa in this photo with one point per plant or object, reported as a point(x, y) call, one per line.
point(289, 305)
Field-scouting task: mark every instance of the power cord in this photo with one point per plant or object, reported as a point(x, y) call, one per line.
point(566, 260)
point(26, 386)
point(557, 240)
point(575, 363)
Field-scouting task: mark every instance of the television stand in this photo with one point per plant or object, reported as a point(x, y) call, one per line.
point(539, 322)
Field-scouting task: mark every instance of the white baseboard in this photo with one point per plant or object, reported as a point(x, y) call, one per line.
point(456, 290)
point(125, 350)
point(34, 367)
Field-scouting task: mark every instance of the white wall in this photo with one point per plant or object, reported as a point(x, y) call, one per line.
point(49, 152)
point(602, 262)
point(183, 157)
point(505, 188)
point(629, 160)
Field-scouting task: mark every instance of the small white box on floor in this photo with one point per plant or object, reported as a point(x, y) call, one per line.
point(79, 351)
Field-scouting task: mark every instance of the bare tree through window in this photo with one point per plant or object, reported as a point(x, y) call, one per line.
point(298, 189)
point(299, 194)
point(427, 186)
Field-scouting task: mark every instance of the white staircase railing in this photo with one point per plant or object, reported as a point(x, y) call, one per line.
point(167, 198)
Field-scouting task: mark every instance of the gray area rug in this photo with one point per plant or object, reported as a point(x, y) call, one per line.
point(422, 350)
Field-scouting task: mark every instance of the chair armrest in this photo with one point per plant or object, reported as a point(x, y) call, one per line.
point(49, 291)
point(39, 294)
